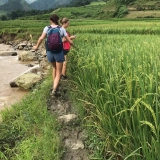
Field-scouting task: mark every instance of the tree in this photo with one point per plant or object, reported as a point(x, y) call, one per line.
point(14, 15)
point(80, 2)
point(123, 2)
point(3, 18)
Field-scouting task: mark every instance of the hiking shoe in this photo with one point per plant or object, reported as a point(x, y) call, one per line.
point(55, 93)
point(64, 77)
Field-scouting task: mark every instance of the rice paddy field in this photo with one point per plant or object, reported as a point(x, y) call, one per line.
point(115, 72)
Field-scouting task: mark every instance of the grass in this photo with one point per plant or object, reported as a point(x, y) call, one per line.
point(142, 14)
point(28, 130)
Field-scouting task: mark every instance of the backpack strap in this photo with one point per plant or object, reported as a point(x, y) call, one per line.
point(50, 27)
point(54, 27)
point(59, 29)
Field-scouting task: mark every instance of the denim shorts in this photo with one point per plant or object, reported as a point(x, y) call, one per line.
point(55, 57)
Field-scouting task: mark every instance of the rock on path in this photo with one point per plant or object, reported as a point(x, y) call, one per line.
point(71, 133)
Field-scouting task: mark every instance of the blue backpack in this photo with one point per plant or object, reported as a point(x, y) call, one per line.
point(54, 40)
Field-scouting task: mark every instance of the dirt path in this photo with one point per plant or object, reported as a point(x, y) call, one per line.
point(72, 134)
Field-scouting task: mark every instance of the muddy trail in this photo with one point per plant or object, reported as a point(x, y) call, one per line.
point(71, 133)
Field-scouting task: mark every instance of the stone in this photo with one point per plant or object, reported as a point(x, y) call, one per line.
point(67, 118)
point(74, 144)
point(28, 80)
point(10, 42)
point(32, 50)
point(22, 44)
point(30, 65)
point(36, 69)
point(8, 53)
point(13, 84)
point(20, 47)
point(29, 44)
point(27, 56)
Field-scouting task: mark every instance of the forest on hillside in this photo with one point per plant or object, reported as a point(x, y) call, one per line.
point(86, 2)
point(120, 5)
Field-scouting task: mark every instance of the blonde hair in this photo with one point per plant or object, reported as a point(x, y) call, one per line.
point(64, 20)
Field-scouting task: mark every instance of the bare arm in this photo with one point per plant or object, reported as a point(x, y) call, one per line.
point(39, 41)
point(69, 40)
point(71, 37)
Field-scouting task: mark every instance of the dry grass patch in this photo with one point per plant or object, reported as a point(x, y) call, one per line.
point(143, 14)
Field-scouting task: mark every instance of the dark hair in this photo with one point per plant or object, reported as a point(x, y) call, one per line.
point(64, 20)
point(55, 19)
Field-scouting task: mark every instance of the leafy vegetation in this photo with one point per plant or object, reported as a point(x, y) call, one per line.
point(121, 11)
point(77, 3)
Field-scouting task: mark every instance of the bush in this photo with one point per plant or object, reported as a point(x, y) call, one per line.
point(121, 11)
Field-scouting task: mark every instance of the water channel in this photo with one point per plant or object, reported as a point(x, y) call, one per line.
point(10, 68)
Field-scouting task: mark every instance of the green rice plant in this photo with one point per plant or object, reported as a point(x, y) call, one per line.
point(116, 77)
point(112, 26)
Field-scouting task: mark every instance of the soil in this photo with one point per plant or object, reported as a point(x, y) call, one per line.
point(72, 134)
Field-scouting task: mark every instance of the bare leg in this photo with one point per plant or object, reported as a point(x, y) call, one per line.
point(64, 69)
point(54, 70)
point(57, 70)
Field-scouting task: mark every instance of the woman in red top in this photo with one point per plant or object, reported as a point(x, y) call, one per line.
point(66, 46)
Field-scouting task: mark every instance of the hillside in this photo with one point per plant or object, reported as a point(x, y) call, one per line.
point(42, 5)
point(96, 10)
point(5, 1)
point(12, 5)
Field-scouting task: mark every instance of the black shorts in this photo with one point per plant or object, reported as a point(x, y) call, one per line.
point(65, 52)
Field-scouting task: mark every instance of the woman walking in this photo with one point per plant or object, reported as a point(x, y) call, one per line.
point(56, 59)
point(66, 46)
